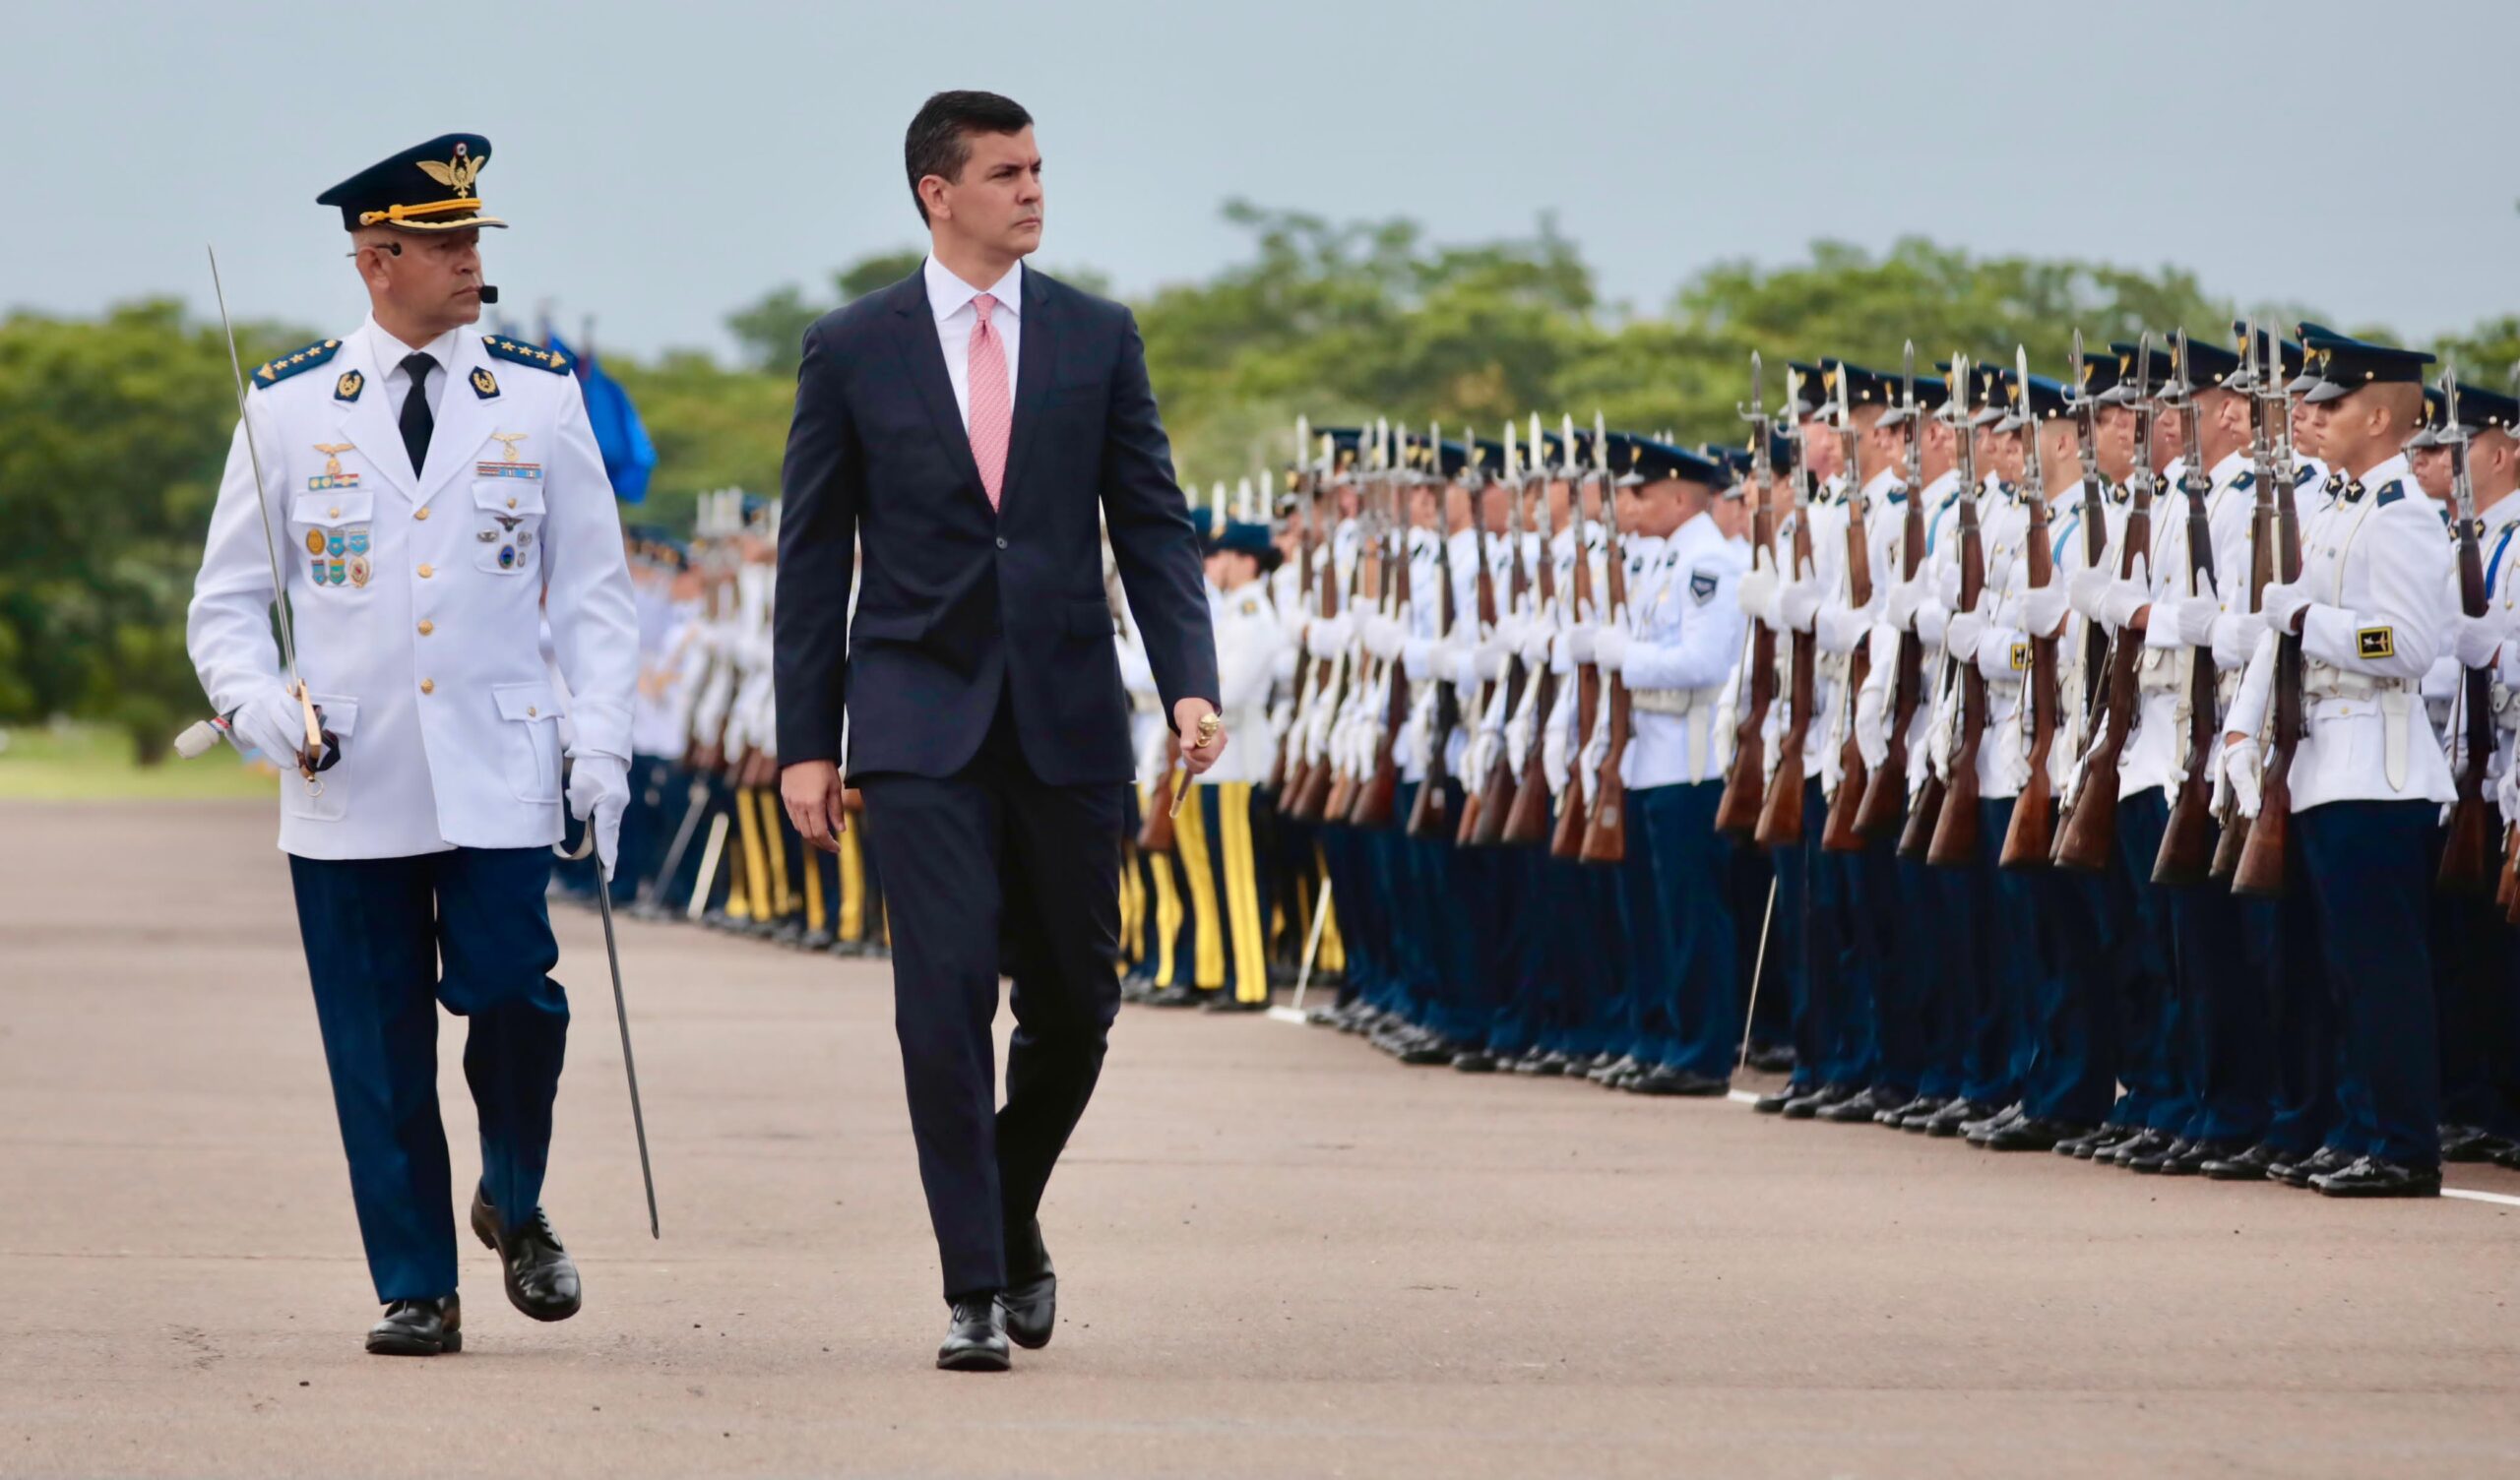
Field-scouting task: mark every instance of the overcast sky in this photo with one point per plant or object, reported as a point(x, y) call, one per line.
point(663, 162)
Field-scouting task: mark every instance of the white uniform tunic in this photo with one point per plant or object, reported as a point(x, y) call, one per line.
point(1688, 628)
point(417, 594)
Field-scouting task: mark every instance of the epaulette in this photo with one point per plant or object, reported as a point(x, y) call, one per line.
point(2244, 482)
point(2390, 493)
point(2304, 475)
point(272, 371)
point(522, 353)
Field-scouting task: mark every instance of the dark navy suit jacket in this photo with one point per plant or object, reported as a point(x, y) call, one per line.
point(962, 605)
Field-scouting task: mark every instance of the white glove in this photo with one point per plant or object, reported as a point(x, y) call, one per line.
point(2196, 617)
point(1904, 599)
point(1797, 602)
point(1946, 587)
point(1872, 732)
point(599, 793)
point(2282, 604)
point(1383, 636)
point(2124, 598)
point(2475, 640)
point(1330, 635)
point(2043, 609)
point(1536, 644)
point(1486, 660)
point(1610, 648)
point(1417, 659)
point(1758, 593)
point(2506, 794)
point(1511, 633)
point(2236, 636)
point(2239, 774)
point(271, 722)
point(1961, 638)
point(1579, 642)
point(2085, 589)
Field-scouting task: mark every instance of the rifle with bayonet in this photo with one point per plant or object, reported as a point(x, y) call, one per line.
point(2186, 853)
point(1924, 813)
point(1430, 812)
point(1380, 788)
point(1527, 821)
point(1605, 839)
point(1838, 832)
point(2089, 834)
point(1363, 680)
point(1736, 815)
point(1952, 814)
point(1489, 790)
point(1306, 484)
point(1574, 815)
point(2464, 845)
point(2258, 866)
point(2031, 836)
point(1781, 816)
point(1888, 793)
point(2261, 561)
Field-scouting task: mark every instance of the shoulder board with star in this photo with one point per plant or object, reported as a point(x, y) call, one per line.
point(522, 353)
point(272, 372)
point(2390, 493)
point(2301, 475)
point(2246, 481)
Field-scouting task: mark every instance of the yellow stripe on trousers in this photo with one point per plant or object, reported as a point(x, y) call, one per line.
point(1207, 915)
point(852, 888)
point(815, 917)
point(756, 871)
point(1242, 893)
point(1168, 917)
point(1333, 956)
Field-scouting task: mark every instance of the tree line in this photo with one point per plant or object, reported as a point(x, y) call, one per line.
point(113, 428)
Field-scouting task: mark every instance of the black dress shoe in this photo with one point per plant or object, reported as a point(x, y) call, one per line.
point(418, 1328)
point(2152, 1163)
point(2195, 1154)
point(1985, 1126)
point(1775, 1101)
point(2465, 1144)
point(1605, 1068)
point(975, 1339)
point(1897, 1115)
point(2318, 1163)
point(541, 1280)
point(2250, 1165)
point(2134, 1149)
point(1857, 1109)
point(1664, 1081)
point(1949, 1120)
point(2082, 1148)
point(1475, 1061)
point(2030, 1132)
point(1226, 1003)
point(1432, 1049)
point(1553, 1064)
point(1174, 997)
point(2373, 1177)
point(1771, 1058)
point(1811, 1104)
point(1030, 1310)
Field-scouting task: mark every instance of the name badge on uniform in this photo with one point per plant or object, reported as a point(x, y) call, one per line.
point(2020, 657)
point(2376, 643)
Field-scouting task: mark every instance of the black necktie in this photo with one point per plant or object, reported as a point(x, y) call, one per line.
point(417, 423)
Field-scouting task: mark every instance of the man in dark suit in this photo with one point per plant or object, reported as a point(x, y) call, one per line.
point(965, 426)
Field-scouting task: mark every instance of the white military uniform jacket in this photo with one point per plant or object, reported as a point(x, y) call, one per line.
point(418, 593)
point(1687, 628)
point(1249, 641)
point(2376, 567)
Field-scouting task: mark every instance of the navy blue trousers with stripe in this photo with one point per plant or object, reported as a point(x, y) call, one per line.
point(388, 940)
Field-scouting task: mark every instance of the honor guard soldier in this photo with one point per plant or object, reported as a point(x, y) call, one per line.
point(2367, 776)
point(1230, 903)
point(434, 490)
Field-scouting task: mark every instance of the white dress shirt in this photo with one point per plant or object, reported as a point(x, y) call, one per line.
point(950, 298)
point(398, 381)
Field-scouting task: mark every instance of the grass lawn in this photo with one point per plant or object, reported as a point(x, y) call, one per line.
point(82, 763)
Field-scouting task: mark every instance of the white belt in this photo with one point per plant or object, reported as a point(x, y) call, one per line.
point(2338, 696)
point(1671, 701)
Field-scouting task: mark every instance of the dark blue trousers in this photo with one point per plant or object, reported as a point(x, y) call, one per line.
point(1750, 882)
point(387, 941)
point(2221, 973)
point(2004, 1043)
point(1941, 949)
point(2073, 1076)
point(1792, 949)
point(1355, 899)
point(2476, 974)
point(1529, 995)
point(2367, 870)
point(1647, 1012)
point(2142, 937)
point(1695, 875)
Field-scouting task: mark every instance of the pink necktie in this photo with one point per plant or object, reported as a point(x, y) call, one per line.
point(992, 403)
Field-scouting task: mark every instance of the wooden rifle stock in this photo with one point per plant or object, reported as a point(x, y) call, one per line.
point(1838, 832)
point(1525, 821)
point(1491, 797)
point(1780, 821)
point(1737, 814)
point(1431, 813)
point(1954, 840)
point(1573, 814)
point(1888, 793)
point(2090, 834)
point(2030, 837)
point(2464, 845)
point(1154, 829)
point(2186, 853)
point(1606, 832)
point(2260, 869)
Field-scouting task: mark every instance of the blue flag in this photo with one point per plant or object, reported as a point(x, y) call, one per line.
point(628, 455)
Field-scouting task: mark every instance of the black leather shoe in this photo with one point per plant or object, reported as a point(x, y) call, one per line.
point(1947, 1121)
point(1225, 1002)
point(1475, 1061)
point(2317, 1164)
point(2242, 1166)
point(2466, 1144)
point(1978, 1130)
point(2030, 1132)
point(1857, 1109)
point(1176, 996)
point(1030, 1310)
point(1431, 1048)
point(1811, 1104)
point(1897, 1115)
point(1607, 1069)
point(1775, 1101)
point(2506, 1154)
point(2093, 1142)
point(2154, 1162)
point(2136, 1148)
point(2193, 1156)
point(975, 1340)
point(2371, 1177)
point(541, 1280)
point(1771, 1058)
point(418, 1328)
point(1664, 1081)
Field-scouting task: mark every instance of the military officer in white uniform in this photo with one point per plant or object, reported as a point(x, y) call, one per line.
point(433, 491)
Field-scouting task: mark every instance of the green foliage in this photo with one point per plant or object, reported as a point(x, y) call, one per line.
point(113, 430)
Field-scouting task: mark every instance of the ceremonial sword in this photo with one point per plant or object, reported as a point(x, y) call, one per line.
point(322, 749)
point(620, 1007)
